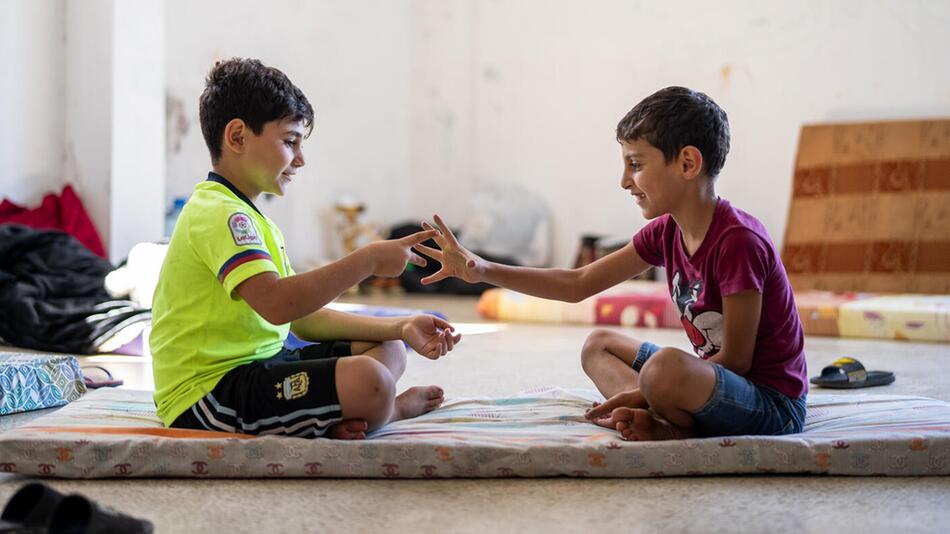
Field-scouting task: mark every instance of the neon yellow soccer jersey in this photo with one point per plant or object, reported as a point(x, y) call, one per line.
point(201, 328)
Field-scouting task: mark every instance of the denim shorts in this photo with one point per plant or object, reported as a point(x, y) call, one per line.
point(740, 407)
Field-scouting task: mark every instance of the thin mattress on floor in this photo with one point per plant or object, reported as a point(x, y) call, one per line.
point(115, 433)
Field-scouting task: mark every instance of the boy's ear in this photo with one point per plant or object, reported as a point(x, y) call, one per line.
point(234, 133)
point(690, 162)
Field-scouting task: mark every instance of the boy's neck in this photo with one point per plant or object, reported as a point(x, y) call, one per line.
point(694, 217)
point(236, 177)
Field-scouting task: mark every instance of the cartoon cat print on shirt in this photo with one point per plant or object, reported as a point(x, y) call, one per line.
point(704, 329)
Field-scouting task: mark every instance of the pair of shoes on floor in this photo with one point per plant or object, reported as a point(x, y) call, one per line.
point(38, 508)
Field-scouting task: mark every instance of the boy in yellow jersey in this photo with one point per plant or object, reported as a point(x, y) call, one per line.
point(227, 296)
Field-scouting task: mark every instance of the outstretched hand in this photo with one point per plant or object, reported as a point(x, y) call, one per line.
point(391, 256)
point(456, 260)
point(430, 336)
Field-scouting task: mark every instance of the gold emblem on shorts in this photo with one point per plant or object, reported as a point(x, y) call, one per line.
point(293, 387)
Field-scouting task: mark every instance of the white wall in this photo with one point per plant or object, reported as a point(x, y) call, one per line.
point(350, 59)
point(82, 102)
point(31, 99)
point(137, 184)
point(114, 124)
point(421, 102)
point(87, 117)
point(535, 89)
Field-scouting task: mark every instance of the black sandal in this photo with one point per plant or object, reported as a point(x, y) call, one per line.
point(848, 373)
point(30, 509)
point(78, 514)
point(92, 383)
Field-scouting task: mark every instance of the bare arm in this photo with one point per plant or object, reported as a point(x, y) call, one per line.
point(283, 300)
point(325, 324)
point(571, 285)
point(428, 335)
point(741, 313)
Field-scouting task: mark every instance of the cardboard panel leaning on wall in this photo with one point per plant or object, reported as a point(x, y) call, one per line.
point(870, 208)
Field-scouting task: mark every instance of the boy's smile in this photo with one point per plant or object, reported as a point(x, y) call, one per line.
point(648, 177)
point(272, 158)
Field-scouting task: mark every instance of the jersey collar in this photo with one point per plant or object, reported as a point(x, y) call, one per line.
point(215, 177)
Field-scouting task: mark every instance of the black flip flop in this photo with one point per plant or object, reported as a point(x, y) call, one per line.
point(76, 513)
point(30, 509)
point(107, 382)
point(848, 373)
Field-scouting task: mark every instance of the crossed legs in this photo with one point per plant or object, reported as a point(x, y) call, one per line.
point(366, 386)
point(672, 384)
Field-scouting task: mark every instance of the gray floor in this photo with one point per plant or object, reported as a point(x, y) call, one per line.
point(520, 356)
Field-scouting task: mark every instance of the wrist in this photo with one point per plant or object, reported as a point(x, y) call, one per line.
point(484, 270)
point(364, 260)
point(402, 327)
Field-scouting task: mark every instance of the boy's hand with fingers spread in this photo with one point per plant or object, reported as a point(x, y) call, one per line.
point(456, 260)
point(429, 336)
point(391, 256)
point(601, 414)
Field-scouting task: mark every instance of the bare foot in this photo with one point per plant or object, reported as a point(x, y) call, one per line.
point(416, 401)
point(347, 429)
point(636, 424)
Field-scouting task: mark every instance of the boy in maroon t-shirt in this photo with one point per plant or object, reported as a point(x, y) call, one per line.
point(723, 273)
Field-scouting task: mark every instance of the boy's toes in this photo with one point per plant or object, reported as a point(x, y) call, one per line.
point(435, 398)
point(355, 425)
point(348, 429)
point(605, 422)
point(417, 401)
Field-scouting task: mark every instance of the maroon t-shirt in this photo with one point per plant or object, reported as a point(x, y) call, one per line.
point(736, 255)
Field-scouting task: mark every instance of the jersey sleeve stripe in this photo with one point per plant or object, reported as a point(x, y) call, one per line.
point(240, 259)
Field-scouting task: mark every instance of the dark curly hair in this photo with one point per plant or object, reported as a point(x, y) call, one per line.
point(247, 89)
point(675, 117)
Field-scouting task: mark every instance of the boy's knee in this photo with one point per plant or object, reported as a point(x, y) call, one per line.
point(595, 344)
point(374, 379)
point(366, 389)
point(662, 373)
point(395, 357)
point(395, 349)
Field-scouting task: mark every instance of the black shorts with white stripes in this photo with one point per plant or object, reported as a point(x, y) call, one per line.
point(293, 393)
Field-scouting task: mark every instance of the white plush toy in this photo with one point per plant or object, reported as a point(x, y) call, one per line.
point(136, 280)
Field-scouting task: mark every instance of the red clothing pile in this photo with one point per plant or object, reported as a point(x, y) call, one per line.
point(64, 212)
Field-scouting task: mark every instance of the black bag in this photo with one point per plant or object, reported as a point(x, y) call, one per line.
point(52, 293)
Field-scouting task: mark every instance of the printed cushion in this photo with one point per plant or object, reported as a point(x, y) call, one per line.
point(37, 381)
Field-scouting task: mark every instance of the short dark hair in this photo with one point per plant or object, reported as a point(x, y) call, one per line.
point(246, 89)
point(675, 117)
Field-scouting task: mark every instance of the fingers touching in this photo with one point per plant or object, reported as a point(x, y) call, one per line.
point(419, 237)
point(433, 253)
point(446, 231)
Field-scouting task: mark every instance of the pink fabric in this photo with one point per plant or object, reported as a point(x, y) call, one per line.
point(63, 212)
point(736, 255)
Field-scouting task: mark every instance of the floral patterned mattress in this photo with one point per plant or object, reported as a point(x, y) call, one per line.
point(115, 433)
